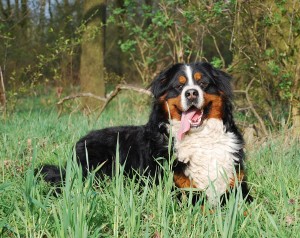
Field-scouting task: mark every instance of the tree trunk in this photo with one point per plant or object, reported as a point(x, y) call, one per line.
point(24, 21)
point(92, 52)
point(17, 16)
point(120, 38)
point(5, 12)
point(24, 11)
point(296, 104)
point(2, 94)
point(42, 20)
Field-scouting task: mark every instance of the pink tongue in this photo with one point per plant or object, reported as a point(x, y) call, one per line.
point(185, 124)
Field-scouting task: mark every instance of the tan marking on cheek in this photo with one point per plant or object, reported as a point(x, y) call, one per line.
point(216, 105)
point(182, 79)
point(173, 106)
point(197, 76)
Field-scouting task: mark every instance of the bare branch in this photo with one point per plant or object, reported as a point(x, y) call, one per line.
point(217, 47)
point(90, 95)
point(118, 89)
point(271, 118)
point(107, 100)
point(243, 109)
point(134, 88)
point(249, 85)
point(2, 92)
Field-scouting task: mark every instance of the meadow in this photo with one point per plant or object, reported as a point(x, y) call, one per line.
point(34, 134)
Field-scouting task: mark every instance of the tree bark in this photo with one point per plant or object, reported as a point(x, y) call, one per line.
point(24, 13)
point(120, 38)
point(4, 13)
point(92, 51)
point(296, 104)
point(42, 19)
point(2, 93)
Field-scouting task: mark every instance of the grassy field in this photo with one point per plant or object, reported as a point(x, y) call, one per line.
point(118, 207)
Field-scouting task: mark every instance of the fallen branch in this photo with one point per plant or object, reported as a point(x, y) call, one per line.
point(79, 95)
point(118, 89)
point(107, 100)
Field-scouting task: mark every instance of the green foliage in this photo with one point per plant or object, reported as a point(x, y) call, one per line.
point(128, 46)
point(274, 68)
point(171, 31)
point(217, 62)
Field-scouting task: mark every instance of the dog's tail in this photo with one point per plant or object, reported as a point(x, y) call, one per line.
point(52, 174)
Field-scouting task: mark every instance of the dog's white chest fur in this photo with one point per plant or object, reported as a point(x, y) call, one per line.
point(208, 152)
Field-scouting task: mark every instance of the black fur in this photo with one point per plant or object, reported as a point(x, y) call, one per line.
point(138, 148)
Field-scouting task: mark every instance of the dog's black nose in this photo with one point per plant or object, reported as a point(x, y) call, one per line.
point(191, 94)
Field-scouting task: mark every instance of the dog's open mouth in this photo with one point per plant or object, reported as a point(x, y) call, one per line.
point(189, 119)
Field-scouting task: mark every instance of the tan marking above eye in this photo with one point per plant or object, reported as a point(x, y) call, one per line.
point(197, 76)
point(182, 79)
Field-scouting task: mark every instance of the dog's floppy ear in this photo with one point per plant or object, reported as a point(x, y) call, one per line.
point(161, 82)
point(220, 78)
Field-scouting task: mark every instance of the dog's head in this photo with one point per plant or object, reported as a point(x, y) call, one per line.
point(191, 92)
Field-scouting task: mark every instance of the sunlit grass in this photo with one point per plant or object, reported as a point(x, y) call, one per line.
point(120, 207)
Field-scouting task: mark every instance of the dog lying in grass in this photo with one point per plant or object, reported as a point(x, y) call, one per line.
point(192, 104)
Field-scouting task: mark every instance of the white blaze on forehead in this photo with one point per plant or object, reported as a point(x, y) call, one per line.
point(189, 75)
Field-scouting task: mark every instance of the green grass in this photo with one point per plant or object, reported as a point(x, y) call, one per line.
point(119, 207)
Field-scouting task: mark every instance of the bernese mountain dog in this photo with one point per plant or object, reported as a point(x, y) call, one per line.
point(192, 105)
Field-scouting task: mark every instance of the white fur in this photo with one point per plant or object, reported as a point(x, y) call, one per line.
point(184, 101)
point(188, 72)
point(208, 150)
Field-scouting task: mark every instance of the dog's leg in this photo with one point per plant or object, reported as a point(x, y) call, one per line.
point(241, 179)
point(182, 181)
point(239, 176)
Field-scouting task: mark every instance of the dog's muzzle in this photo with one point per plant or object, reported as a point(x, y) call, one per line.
point(192, 95)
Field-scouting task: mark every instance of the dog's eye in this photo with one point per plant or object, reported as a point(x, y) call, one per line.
point(203, 84)
point(179, 87)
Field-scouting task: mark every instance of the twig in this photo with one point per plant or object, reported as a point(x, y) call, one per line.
point(79, 95)
point(271, 118)
point(260, 120)
point(243, 109)
point(90, 95)
point(2, 93)
point(119, 88)
point(217, 47)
